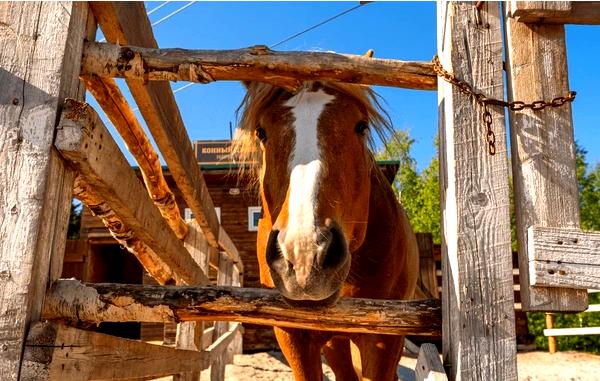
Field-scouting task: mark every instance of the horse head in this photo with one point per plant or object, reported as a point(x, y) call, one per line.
point(314, 176)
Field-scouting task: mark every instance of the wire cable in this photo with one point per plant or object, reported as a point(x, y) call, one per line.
point(157, 8)
point(320, 24)
point(174, 13)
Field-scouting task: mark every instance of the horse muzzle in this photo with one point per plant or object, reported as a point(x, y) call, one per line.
point(311, 266)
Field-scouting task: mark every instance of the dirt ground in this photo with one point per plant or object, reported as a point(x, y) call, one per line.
point(532, 366)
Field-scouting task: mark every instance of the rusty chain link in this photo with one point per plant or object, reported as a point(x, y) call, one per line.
point(484, 101)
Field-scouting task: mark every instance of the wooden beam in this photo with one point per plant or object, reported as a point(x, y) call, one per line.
point(257, 63)
point(579, 331)
point(121, 232)
point(563, 258)
point(40, 56)
point(555, 12)
point(107, 94)
point(56, 352)
point(229, 248)
point(429, 367)
point(543, 150)
point(127, 23)
point(85, 142)
point(74, 301)
point(477, 293)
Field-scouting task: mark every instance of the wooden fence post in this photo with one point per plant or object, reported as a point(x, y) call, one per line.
point(40, 53)
point(543, 151)
point(478, 312)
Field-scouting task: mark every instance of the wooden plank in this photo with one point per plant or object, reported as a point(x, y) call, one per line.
point(427, 281)
point(543, 150)
point(477, 293)
point(217, 366)
point(229, 247)
point(563, 258)
point(429, 367)
point(127, 23)
point(580, 331)
point(40, 55)
point(555, 12)
point(72, 300)
point(65, 353)
point(113, 103)
point(257, 63)
point(86, 143)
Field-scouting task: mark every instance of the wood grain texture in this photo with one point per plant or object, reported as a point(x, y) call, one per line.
point(429, 366)
point(563, 258)
point(86, 143)
point(62, 353)
point(478, 313)
point(229, 248)
point(113, 103)
point(40, 55)
point(555, 12)
point(543, 150)
point(72, 300)
point(127, 23)
point(257, 63)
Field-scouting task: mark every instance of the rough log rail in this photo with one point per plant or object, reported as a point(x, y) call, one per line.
point(257, 63)
point(555, 12)
point(93, 303)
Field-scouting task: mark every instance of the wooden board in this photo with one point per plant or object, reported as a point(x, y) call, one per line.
point(257, 63)
point(543, 150)
point(563, 258)
point(555, 12)
point(86, 143)
point(477, 290)
point(56, 352)
point(93, 303)
point(127, 23)
point(429, 367)
point(40, 51)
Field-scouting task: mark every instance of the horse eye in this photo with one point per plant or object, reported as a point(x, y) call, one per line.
point(261, 134)
point(361, 127)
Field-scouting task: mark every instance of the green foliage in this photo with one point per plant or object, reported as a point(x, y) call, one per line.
point(419, 194)
point(589, 192)
point(74, 221)
point(537, 324)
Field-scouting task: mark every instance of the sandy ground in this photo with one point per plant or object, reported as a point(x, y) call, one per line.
point(533, 366)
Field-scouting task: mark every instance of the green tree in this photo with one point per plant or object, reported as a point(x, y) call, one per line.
point(419, 194)
point(74, 221)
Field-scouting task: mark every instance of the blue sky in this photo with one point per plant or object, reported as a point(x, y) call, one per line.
point(401, 30)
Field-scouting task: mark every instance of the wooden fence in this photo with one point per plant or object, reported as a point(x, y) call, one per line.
point(54, 147)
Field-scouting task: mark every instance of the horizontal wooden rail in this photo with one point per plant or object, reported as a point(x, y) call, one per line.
point(257, 63)
point(127, 23)
point(57, 352)
point(85, 142)
point(560, 257)
point(579, 331)
point(114, 104)
point(93, 303)
point(555, 12)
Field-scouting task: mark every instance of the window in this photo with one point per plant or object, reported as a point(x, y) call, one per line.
point(189, 215)
point(254, 213)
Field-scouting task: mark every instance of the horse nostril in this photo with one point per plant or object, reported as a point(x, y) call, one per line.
point(335, 250)
point(273, 251)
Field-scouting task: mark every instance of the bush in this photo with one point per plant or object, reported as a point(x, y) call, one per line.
point(537, 324)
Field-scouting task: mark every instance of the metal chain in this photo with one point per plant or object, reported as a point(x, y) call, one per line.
point(484, 101)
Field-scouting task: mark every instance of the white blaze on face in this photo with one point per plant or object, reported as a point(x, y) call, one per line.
point(298, 244)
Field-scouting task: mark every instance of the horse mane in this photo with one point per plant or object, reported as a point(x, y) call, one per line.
point(259, 96)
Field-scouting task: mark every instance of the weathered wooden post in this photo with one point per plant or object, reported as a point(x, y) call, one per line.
point(543, 150)
point(478, 313)
point(40, 53)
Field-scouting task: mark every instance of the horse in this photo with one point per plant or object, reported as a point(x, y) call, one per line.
point(331, 225)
